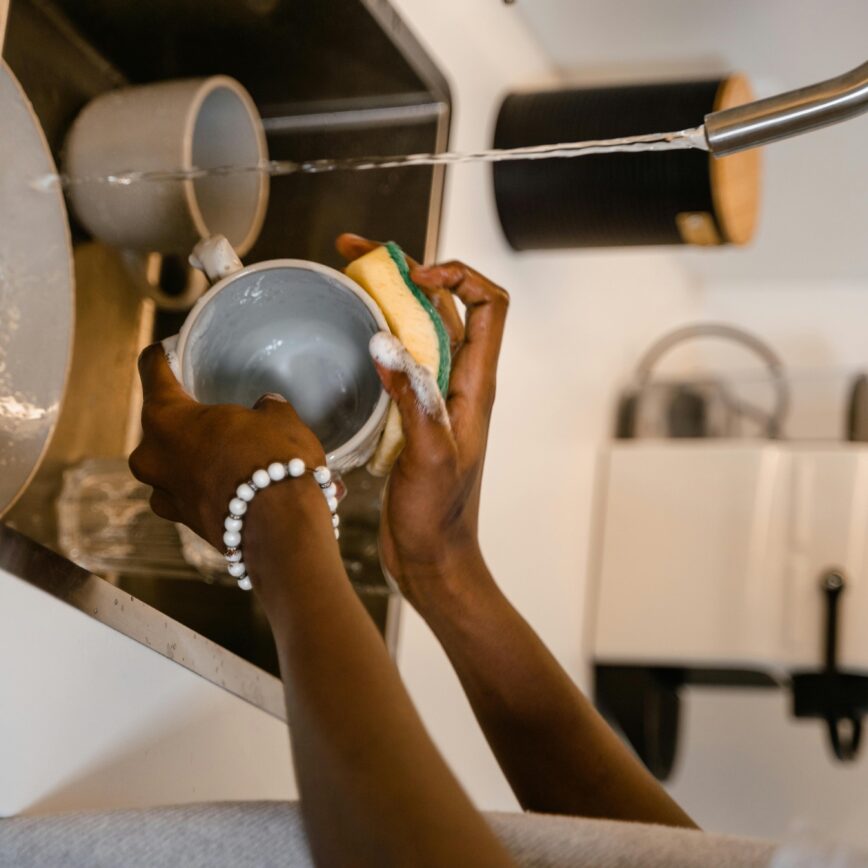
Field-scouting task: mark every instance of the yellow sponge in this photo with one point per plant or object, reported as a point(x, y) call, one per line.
point(384, 275)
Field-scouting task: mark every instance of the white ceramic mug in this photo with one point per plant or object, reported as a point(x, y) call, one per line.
point(192, 123)
point(296, 328)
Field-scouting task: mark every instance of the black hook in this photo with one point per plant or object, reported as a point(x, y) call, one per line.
point(844, 741)
point(838, 698)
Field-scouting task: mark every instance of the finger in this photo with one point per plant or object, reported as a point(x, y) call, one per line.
point(474, 371)
point(159, 384)
point(341, 487)
point(143, 465)
point(352, 246)
point(164, 506)
point(392, 359)
point(273, 404)
point(285, 418)
point(414, 390)
point(269, 400)
point(444, 304)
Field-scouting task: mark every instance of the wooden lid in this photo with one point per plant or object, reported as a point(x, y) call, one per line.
point(735, 180)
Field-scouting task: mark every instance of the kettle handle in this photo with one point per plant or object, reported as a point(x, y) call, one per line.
point(774, 420)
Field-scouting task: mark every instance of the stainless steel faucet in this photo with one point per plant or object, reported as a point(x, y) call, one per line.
point(788, 114)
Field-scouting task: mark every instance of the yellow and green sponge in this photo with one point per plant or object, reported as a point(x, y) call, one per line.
point(384, 275)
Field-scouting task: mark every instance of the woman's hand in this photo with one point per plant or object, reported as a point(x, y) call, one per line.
point(195, 455)
point(429, 522)
point(375, 790)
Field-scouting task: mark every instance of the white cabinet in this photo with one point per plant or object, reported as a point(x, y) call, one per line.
point(710, 554)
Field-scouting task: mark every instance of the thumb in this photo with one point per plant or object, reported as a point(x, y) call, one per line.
point(264, 402)
point(414, 390)
point(352, 246)
point(273, 404)
point(159, 382)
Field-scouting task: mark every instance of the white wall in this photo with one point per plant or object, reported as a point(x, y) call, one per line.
point(579, 320)
point(92, 719)
point(576, 324)
point(815, 187)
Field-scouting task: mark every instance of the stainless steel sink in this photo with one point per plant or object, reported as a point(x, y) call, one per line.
point(336, 78)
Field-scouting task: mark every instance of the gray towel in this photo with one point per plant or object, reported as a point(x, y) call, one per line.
point(266, 834)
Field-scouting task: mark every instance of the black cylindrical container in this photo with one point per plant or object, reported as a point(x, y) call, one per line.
point(608, 200)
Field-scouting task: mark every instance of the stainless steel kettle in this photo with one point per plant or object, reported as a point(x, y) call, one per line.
point(704, 407)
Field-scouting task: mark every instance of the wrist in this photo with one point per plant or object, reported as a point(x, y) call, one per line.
point(457, 579)
point(287, 528)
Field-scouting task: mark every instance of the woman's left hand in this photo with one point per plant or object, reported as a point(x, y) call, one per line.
point(195, 455)
point(428, 525)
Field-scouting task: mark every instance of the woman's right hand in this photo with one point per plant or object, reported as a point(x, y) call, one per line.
point(194, 456)
point(428, 528)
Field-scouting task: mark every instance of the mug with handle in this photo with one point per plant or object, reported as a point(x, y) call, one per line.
point(166, 127)
point(289, 326)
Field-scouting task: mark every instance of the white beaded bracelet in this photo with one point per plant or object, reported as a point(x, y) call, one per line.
point(245, 492)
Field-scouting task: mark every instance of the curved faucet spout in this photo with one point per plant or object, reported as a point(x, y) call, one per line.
point(788, 114)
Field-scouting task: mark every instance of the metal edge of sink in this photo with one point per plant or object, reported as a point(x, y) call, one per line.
point(42, 568)
point(418, 58)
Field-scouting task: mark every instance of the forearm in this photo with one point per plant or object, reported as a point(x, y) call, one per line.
point(374, 789)
point(557, 752)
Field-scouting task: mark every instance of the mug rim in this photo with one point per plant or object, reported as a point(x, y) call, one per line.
point(207, 86)
point(377, 417)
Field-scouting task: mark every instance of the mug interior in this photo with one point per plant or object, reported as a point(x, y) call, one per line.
point(293, 331)
point(226, 133)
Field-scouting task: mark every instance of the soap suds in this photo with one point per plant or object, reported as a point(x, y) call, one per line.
point(388, 352)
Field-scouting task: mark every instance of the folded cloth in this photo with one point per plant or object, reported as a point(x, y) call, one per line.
point(266, 834)
point(547, 841)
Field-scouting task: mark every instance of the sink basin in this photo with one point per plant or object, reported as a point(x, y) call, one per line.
point(330, 79)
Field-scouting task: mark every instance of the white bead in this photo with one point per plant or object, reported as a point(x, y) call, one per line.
point(233, 523)
point(331, 490)
point(234, 557)
point(336, 520)
point(296, 467)
point(237, 506)
point(245, 492)
point(333, 503)
point(245, 584)
point(322, 475)
point(277, 471)
point(237, 570)
point(337, 534)
point(261, 479)
point(231, 538)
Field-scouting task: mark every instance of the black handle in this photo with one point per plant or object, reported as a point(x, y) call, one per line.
point(845, 731)
point(838, 698)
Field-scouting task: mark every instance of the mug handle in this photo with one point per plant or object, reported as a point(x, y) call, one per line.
point(146, 271)
point(216, 257)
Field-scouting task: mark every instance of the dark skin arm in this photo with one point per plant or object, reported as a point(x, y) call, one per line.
point(557, 753)
point(374, 789)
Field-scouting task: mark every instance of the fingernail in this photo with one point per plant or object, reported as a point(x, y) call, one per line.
point(268, 396)
point(341, 487)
